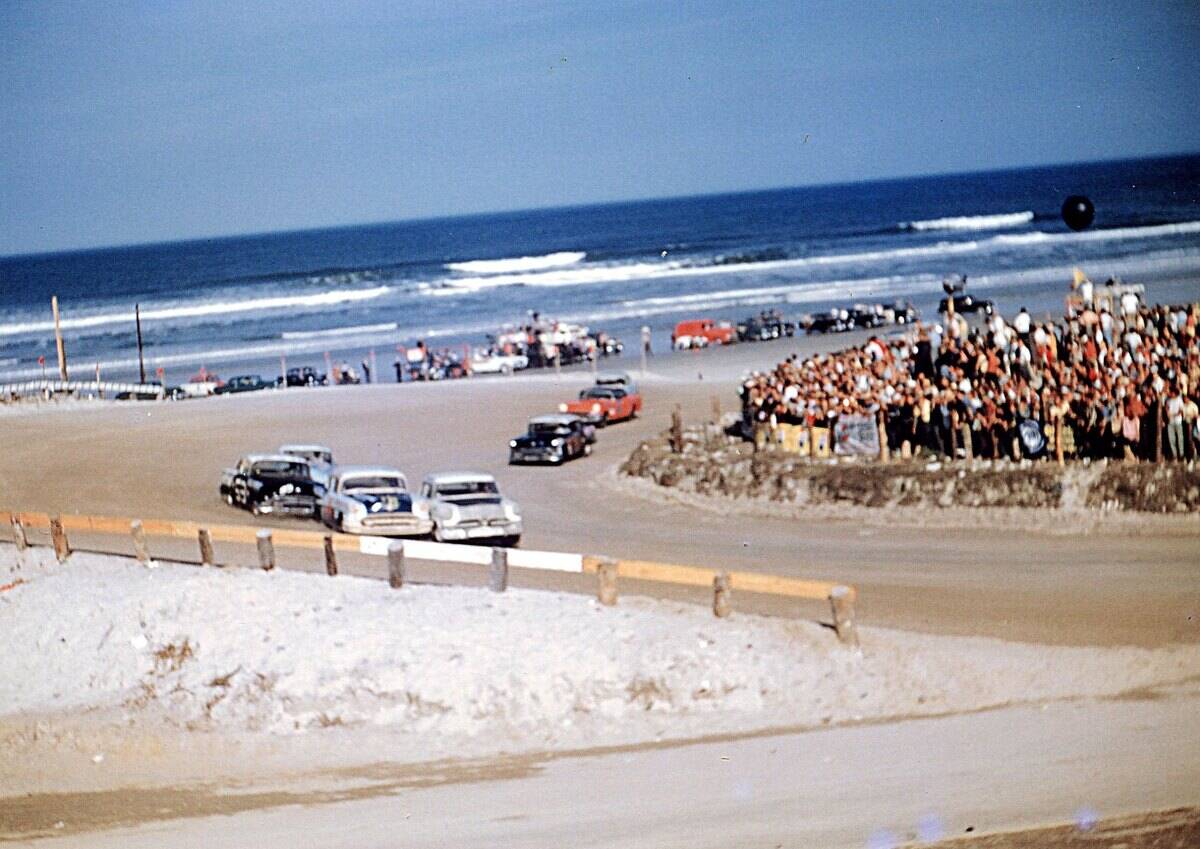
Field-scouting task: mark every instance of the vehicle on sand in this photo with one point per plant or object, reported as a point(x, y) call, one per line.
point(275, 484)
point(465, 506)
point(371, 500)
point(552, 439)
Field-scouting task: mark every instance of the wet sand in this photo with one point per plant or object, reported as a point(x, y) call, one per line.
point(163, 460)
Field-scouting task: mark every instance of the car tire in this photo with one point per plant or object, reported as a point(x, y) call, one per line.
point(229, 498)
point(506, 370)
point(255, 509)
point(587, 450)
point(510, 542)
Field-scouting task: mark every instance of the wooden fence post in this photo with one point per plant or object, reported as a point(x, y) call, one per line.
point(606, 571)
point(722, 595)
point(395, 556)
point(18, 531)
point(141, 549)
point(206, 547)
point(498, 576)
point(884, 452)
point(841, 599)
point(676, 439)
point(62, 548)
point(331, 567)
point(266, 550)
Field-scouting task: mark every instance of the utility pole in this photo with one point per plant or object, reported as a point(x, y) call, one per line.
point(58, 340)
point(137, 317)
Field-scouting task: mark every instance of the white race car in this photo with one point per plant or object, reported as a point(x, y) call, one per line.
point(483, 362)
point(371, 500)
point(468, 506)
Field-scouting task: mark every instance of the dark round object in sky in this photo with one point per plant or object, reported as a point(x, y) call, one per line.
point(1078, 212)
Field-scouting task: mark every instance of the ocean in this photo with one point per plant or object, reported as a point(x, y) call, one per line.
point(236, 304)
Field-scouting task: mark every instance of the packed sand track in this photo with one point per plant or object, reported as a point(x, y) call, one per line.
point(1009, 676)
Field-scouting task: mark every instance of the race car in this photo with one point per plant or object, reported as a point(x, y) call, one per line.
point(605, 403)
point(551, 439)
point(371, 500)
point(272, 483)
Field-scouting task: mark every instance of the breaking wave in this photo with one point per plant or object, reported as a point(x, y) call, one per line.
point(364, 329)
point(198, 310)
point(971, 222)
point(519, 263)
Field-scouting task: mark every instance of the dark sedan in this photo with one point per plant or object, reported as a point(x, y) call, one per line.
point(243, 383)
point(551, 439)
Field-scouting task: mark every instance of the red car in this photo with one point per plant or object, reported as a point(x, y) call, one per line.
point(612, 399)
point(702, 332)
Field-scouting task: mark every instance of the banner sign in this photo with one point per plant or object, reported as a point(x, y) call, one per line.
point(856, 435)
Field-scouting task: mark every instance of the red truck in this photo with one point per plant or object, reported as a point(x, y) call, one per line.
point(702, 332)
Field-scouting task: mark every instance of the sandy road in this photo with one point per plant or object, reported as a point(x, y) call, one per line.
point(996, 770)
point(163, 460)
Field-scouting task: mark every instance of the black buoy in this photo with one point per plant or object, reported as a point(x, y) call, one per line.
point(1078, 212)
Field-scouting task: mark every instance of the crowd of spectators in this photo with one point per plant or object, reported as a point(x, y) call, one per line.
point(1123, 384)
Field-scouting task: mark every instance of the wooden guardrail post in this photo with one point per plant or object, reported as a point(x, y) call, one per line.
point(676, 437)
point(266, 550)
point(722, 595)
point(18, 531)
point(841, 600)
point(140, 549)
point(58, 536)
point(206, 547)
point(606, 572)
point(331, 567)
point(498, 575)
point(395, 556)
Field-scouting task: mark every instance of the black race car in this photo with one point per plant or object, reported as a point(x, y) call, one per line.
point(768, 324)
point(272, 483)
point(552, 439)
point(868, 316)
point(966, 304)
point(834, 321)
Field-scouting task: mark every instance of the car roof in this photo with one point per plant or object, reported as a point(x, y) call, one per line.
point(459, 477)
point(303, 446)
point(610, 377)
point(555, 419)
point(364, 471)
point(274, 458)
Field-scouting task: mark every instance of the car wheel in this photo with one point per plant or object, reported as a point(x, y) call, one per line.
point(506, 370)
point(587, 450)
point(229, 498)
point(511, 542)
point(255, 509)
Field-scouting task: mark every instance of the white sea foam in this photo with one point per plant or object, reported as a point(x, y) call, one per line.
point(1152, 231)
point(972, 222)
point(361, 329)
point(202, 309)
point(519, 263)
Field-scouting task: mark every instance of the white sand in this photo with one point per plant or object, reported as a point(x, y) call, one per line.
point(468, 671)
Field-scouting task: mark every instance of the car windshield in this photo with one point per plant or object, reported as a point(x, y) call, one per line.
point(549, 430)
point(280, 469)
point(450, 490)
point(373, 482)
point(601, 392)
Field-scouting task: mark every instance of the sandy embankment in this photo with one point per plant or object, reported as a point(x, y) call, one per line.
point(465, 672)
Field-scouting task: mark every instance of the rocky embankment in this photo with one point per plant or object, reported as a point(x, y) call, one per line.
point(713, 464)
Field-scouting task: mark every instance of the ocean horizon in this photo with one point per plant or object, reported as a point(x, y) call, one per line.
point(238, 303)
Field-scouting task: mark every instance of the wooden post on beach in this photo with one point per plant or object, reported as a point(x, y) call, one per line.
point(141, 550)
point(395, 556)
point(331, 564)
point(722, 595)
point(18, 532)
point(99, 391)
point(58, 340)
point(329, 369)
point(206, 547)
point(266, 550)
point(676, 438)
point(557, 360)
point(58, 536)
point(841, 600)
point(954, 434)
point(1058, 440)
point(1158, 429)
point(606, 573)
point(884, 451)
point(498, 574)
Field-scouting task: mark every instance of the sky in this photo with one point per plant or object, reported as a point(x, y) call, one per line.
point(138, 122)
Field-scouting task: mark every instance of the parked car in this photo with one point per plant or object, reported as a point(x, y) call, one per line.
point(702, 332)
point(272, 483)
point(868, 316)
point(967, 304)
point(605, 345)
point(467, 506)
point(318, 457)
point(834, 321)
point(901, 312)
point(491, 362)
point(243, 383)
point(371, 500)
point(551, 439)
point(768, 324)
point(605, 403)
point(304, 376)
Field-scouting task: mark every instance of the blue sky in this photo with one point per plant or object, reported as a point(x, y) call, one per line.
point(136, 122)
